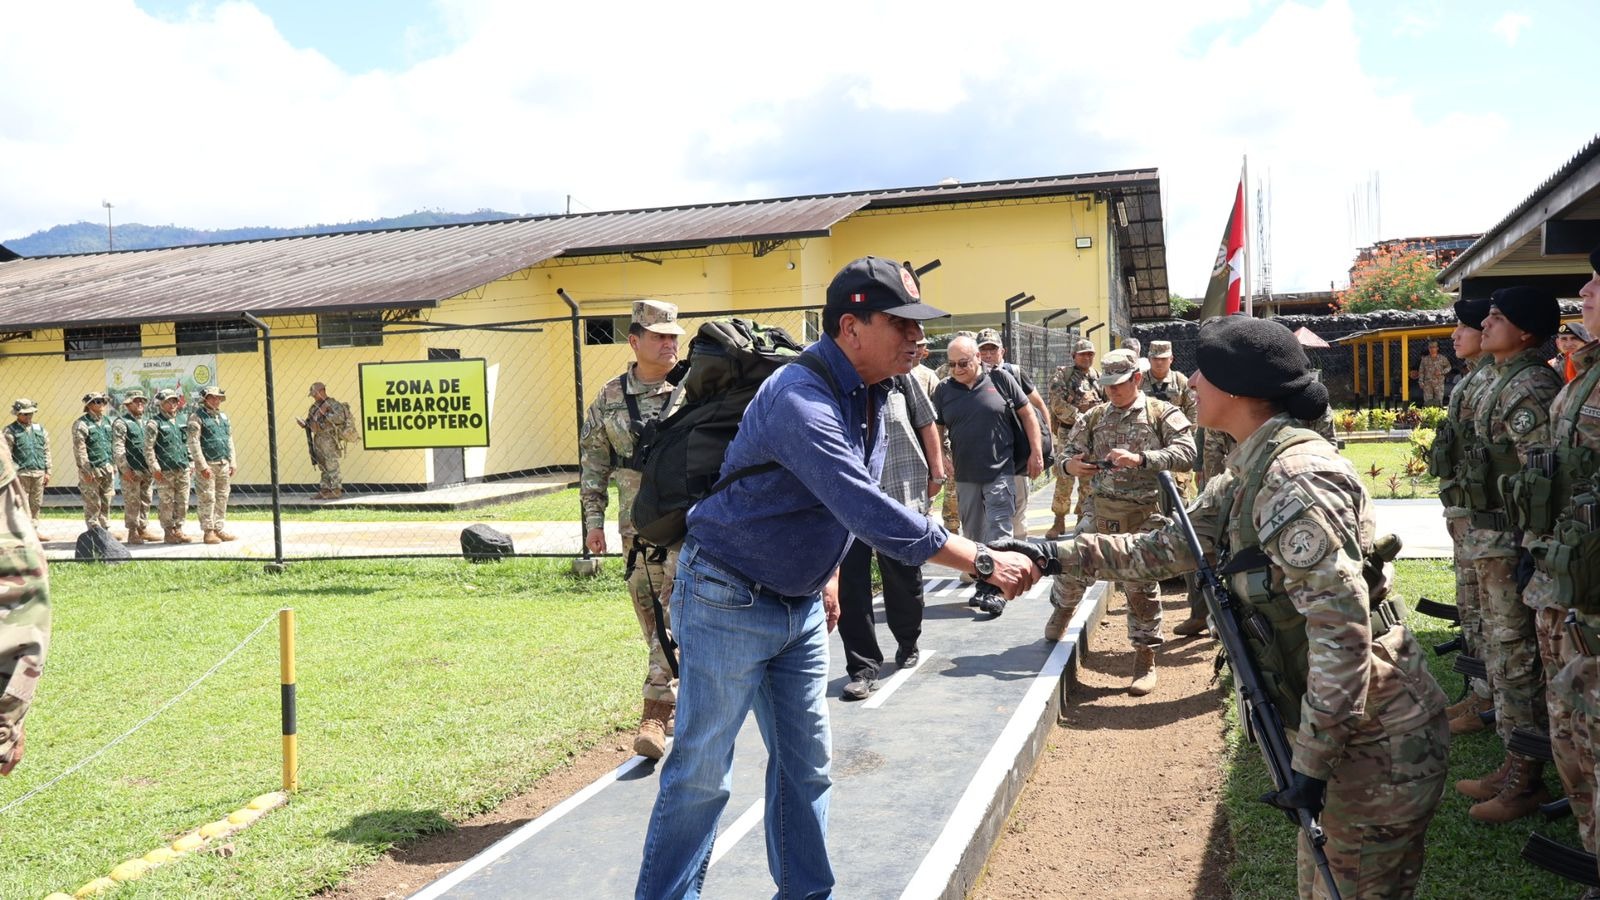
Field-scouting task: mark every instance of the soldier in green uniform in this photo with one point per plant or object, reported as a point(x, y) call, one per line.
point(1431, 372)
point(1139, 436)
point(209, 434)
point(1073, 392)
point(24, 616)
point(91, 450)
point(28, 448)
point(624, 404)
point(127, 455)
point(328, 424)
point(167, 456)
point(1295, 530)
point(1512, 419)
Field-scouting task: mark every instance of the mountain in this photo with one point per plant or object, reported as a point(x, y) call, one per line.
point(89, 237)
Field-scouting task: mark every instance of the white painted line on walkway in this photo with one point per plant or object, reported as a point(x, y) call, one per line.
point(516, 838)
point(893, 684)
point(737, 830)
point(933, 874)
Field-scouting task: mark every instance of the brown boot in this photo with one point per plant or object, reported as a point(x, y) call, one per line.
point(1488, 786)
point(1190, 626)
point(1057, 626)
point(211, 538)
point(651, 741)
point(1144, 671)
point(226, 535)
point(1470, 722)
point(135, 537)
point(148, 534)
point(1471, 703)
point(1521, 796)
point(1057, 528)
point(178, 537)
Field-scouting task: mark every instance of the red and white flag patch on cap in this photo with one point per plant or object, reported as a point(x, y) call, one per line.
point(858, 298)
point(907, 279)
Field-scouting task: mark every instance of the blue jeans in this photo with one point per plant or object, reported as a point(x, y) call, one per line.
point(743, 646)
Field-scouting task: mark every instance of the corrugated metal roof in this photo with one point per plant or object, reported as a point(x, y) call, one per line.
point(419, 267)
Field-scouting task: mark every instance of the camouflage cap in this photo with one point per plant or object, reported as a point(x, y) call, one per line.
point(654, 315)
point(1160, 349)
point(24, 406)
point(133, 395)
point(95, 397)
point(166, 394)
point(212, 390)
point(1118, 366)
point(987, 337)
point(312, 391)
point(1084, 345)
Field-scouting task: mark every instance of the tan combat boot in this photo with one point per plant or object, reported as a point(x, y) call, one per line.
point(1190, 626)
point(178, 537)
point(1144, 671)
point(1057, 626)
point(1521, 796)
point(1057, 529)
point(211, 538)
point(135, 537)
point(651, 741)
point(1488, 786)
point(226, 535)
point(1469, 722)
point(1470, 703)
point(148, 533)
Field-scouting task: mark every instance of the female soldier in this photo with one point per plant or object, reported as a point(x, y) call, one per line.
point(1293, 525)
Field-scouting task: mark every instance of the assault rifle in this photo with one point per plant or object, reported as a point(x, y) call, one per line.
point(1264, 724)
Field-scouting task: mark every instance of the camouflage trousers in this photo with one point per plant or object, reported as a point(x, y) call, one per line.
point(1380, 800)
point(211, 496)
point(949, 509)
point(1573, 756)
point(32, 483)
point(136, 499)
point(173, 492)
point(1578, 685)
point(1516, 675)
point(24, 615)
point(1105, 516)
point(96, 492)
point(647, 580)
point(1467, 599)
point(1432, 393)
point(328, 461)
point(1062, 503)
point(1023, 488)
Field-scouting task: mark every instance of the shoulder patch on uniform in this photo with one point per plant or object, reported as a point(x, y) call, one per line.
point(1285, 511)
point(1304, 543)
point(1523, 421)
point(1592, 412)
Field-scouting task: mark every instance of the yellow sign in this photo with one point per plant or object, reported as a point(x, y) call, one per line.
point(413, 405)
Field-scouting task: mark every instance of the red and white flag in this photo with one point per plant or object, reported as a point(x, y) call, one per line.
point(1224, 289)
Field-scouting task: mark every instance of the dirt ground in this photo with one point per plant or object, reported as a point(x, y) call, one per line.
point(1125, 801)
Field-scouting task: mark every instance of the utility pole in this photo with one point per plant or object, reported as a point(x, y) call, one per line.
point(109, 244)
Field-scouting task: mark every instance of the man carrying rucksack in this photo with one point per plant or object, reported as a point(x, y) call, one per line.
point(328, 424)
point(756, 588)
point(605, 449)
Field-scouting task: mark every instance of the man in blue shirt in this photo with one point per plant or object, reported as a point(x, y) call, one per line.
point(757, 585)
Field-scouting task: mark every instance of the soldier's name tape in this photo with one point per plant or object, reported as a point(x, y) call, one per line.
point(193, 842)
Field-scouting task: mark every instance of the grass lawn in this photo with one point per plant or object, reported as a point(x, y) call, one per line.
point(1465, 858)
point(559, 506)
point(1389, 456)
point(429, 690)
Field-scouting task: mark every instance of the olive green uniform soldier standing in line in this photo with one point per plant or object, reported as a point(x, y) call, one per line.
point(24, 616)
point(28, 448)
point(329, 421)
point(127, 455)
point(1139, 436)
point(1078, 390)
point(167, 455)
point(605, 448)
point(1445, 462)
point(1431, 372)
point(209, 434)
point(1513, 418)
point(1295, 531)
point(91, 450)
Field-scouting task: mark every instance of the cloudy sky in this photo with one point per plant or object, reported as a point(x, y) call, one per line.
point(287, 112)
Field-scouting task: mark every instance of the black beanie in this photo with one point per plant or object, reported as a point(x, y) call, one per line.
point(1534, 311)
point(1471, 312)
point(1260, 358)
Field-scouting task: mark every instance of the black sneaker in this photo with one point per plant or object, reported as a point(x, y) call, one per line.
point(859, 688)
point(994, 605)
point(907, 659)
point(975, 601)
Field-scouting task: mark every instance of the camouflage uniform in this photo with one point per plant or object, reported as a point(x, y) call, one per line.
point(1216, 445)
point(209, 435)
point(91, 450)
point(127, 456)
point(1457, 519)
point(1127, 500)
point(167, 456)
point(327, 420)
point(1430, 377)
point(1175, 390)
point(1073, 392)
point(28, 449)
point(606, 443)
point(1371, 718)
point(1520, 414)
point(24, 613)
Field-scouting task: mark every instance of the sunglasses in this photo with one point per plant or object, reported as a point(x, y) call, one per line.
point(962, 363)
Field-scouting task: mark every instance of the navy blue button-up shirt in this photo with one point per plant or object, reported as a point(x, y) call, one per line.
point(788, 529)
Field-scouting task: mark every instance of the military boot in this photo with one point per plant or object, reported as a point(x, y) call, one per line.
point(1144, 671)
point(135, 537)
point(1470, 703)
point(1190, 626)
point(1056, 628)
point(1057, 529)
point(225, 535)
point(1470, 722)
point(1488, 786)
point(211, 538)
point(178, 537)
point(148, 533)
point(651, 741)
point(1521, 795)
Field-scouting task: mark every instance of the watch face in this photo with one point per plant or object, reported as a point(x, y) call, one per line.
point(984, 563)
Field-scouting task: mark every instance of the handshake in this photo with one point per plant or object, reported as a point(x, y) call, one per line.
point(1042, 553)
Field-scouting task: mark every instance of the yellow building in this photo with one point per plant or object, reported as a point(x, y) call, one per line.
point(530, 295)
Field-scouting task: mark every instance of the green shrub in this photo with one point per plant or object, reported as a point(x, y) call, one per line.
point(1433, 416)
point(1382, 419)
point(1422, 443)
point(1348, 420)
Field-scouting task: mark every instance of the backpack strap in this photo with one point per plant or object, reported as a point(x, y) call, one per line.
point(634, 416)
point(810, 361)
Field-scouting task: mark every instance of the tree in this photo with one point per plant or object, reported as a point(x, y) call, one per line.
point(1393, 279)
point(1181, 306)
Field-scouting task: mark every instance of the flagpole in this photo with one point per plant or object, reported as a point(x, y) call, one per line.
point(1244, 208)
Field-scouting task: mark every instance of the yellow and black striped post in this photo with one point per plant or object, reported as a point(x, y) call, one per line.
point(291, 763)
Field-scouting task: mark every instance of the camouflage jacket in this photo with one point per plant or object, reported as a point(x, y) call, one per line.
point(1072, 393)
point(24, 611)
point(1520, 414)
point(1470, 389)
point(607, 441)
point(328, 418)
point(1359, 690)
point(1174, 389)
point(1167, 443)
point(1433, 369)
point(1216, 444)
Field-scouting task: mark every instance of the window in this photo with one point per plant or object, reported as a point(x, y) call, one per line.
point(350, 330)
point(215, 337)
point(606, 329)
point(813, 326)
point(102, 342)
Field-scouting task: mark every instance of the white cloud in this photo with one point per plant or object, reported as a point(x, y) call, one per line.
point(1510, 26)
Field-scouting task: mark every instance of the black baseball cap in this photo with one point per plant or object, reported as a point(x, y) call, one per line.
point(874, 284)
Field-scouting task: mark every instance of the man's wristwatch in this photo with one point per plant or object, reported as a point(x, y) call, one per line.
point(983, 563)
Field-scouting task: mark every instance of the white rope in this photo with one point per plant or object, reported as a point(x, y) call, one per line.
point(146, 720)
